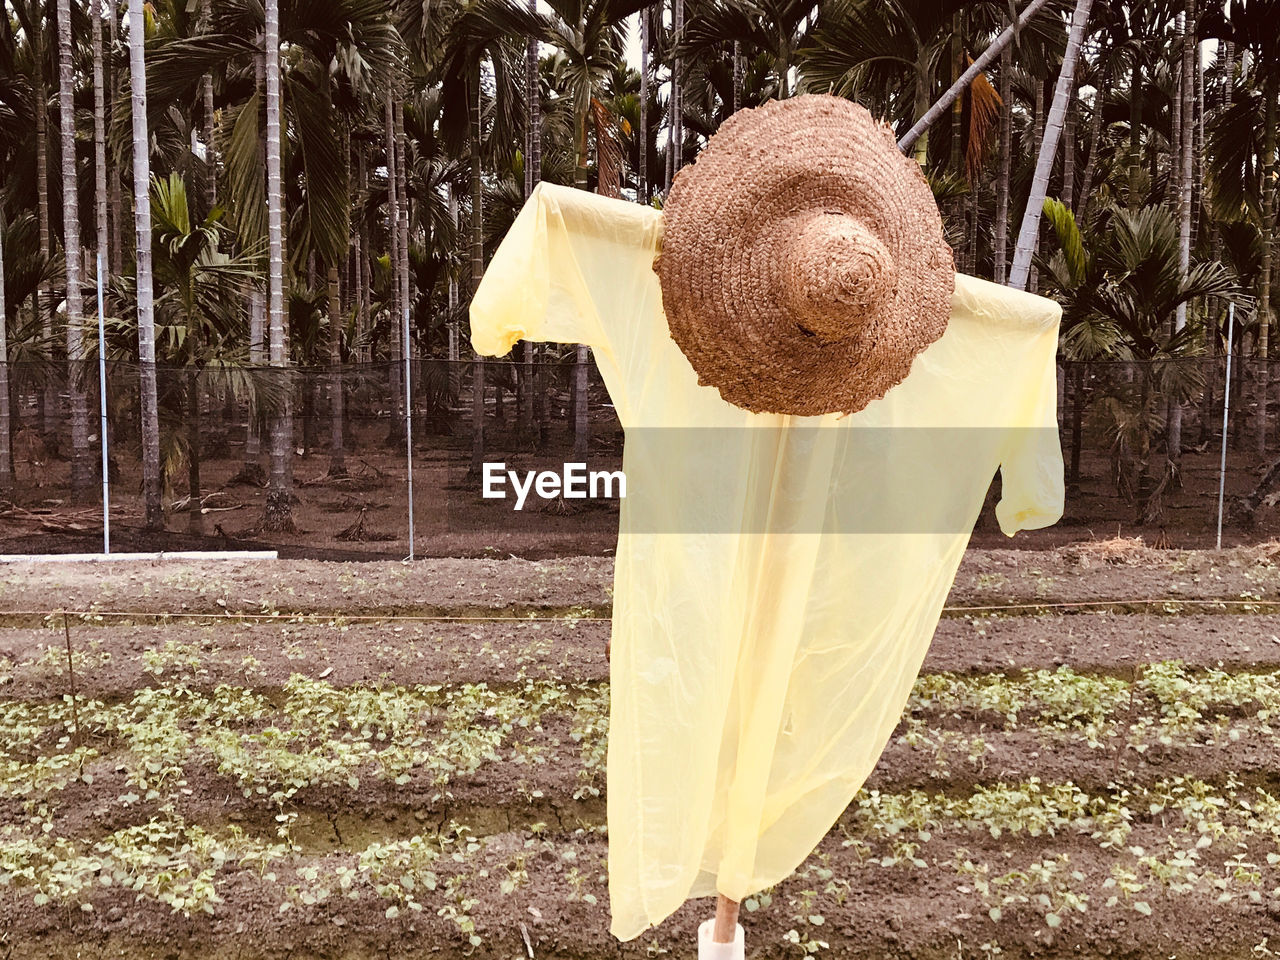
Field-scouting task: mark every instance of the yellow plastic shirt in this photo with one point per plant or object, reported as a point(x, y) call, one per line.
point(778, 579)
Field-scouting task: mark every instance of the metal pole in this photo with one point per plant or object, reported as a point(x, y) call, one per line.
point(1226, 406)
point(408, 419)
point(102, 408)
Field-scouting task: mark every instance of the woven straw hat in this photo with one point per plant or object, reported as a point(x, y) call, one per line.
point(803, 265)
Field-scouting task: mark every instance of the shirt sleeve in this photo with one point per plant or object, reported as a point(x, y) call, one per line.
point(557, 271)
point(1031, 472)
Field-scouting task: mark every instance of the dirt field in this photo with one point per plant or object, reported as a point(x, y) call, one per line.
point(306, 759)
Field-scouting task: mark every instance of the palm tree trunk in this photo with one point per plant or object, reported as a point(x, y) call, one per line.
point(142, 230)
point(737, 75)
point(532, 174)
point(81, 479)
point(6, 449)
point(278, 514)
point(581, 413)
point(99, 136)
point(206, 133)
point(477, 273)
point(642, 135)
point(402, 192)
point(1037, 139)
point(1069, 155)
point(1197, 148)
point(393, 239)
point(251, 469)
point(532, 129)
point(364, 260)
point(1077, 418)
point(406, 287)
point(784, 71)
point(354, 269)
point(1173, 187)
point(1030, 228)
point(1135, 135)
point(1264, 273)
point(677, 86)
point(195, 519)
point(1186, 146)
point(581, 356)
point(311, 385)
point(1000, 240)
point(337, 444)
point(455, 366)
point(1213, 326)
point(117, 202)
point(920, 110)
point(42, 307)
point(673, 108)
point(99, 150)
point(1095, 135)
point(956, 136)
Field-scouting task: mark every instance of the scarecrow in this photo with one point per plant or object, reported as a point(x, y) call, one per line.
point(815, 405)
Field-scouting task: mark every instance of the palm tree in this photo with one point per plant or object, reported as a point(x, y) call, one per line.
point(642, 137)
point(1184, 181)
point(6, 455)
point(393, 243)
point(278, 515)
point(532, 174)
point(202, 317)
point(400, 171)
point(1000, 240)
point(338, 50)
point(1030, 229)
point(1253, 28)
point(889, 53)
point(99, 138)
point(80, 464)
point(34, 19)
point(775, 29)
point(151, 481)
point(589, 35)
point(475, 36)
point(1118, 287)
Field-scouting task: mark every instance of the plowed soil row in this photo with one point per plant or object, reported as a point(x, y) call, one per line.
point(1081, 573)
point(112, 661)
point(860, 901)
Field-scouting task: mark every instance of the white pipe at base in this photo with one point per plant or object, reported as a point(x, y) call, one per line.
point(708, 949)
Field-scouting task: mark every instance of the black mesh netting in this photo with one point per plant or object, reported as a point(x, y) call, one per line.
point(350, 490)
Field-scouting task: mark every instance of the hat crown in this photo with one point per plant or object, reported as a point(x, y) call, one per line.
point(803, 263)
point(837, 275)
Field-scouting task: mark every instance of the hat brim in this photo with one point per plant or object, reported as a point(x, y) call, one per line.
point(729, 220)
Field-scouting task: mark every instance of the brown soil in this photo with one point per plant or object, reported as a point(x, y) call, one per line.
point(887, 909)
point(1124, 576)
point(33, 662)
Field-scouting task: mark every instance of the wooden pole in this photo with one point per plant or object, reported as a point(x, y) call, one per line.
point(726, 920)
